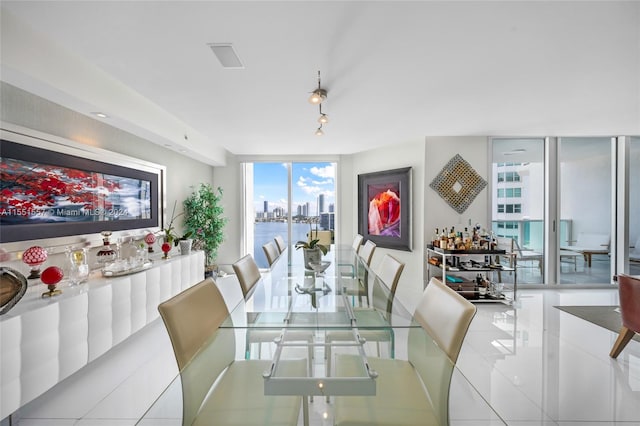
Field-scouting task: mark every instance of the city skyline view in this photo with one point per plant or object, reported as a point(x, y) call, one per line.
point(310, 180)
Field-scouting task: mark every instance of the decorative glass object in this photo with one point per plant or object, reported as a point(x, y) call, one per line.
point(320, 267)
point(51, 277)
point(150, 239)
point(78, 267)
point(34, 257)
point(106, 253)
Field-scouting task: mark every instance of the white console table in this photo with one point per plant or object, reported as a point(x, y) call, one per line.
point(45, 340)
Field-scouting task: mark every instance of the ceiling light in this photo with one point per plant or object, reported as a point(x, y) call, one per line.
point(324, 118)
point(100, 114)
point(317, 97)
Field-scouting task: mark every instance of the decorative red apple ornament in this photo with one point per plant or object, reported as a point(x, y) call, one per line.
point(51, 277)
point(166, 248)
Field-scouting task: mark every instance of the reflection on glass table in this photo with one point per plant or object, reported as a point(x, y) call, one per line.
point(291, 299)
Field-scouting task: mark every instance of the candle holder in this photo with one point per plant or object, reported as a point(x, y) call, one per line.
point(34, 257)
point(78, 267)
point(51, 277)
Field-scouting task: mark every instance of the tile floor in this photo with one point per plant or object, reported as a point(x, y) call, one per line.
point(535, 364)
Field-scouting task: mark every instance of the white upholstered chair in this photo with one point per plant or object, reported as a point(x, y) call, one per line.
point(362, 264)
point(280, 243)
point(271, 251)
point(383, 293)
point(192, 319)
point(421, 391)
point(248, 274)
point(357, 242)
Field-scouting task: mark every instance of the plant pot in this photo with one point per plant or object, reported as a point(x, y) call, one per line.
point(313, 255)
point(185, 246)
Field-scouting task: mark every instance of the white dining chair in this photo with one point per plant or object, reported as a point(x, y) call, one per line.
point(271, 252)
point(192, 319)
point(415, 391)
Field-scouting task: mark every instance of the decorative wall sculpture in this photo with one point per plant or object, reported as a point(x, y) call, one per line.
point(458, 184)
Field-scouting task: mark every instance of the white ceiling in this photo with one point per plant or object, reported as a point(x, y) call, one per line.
point(394, 71)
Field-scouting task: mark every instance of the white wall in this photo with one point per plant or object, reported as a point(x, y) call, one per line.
point(229, 179)
point(410, 154)
point(438, 152)
point(32, 112)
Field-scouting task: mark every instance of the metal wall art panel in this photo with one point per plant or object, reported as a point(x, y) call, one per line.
point(458, 184)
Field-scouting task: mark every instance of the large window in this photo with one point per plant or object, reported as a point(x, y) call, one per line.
point(521, 177)
point(288, 199)
point(575, 201)
point(586, 198)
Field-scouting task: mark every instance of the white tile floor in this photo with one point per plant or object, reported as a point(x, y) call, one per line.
point(535, 364)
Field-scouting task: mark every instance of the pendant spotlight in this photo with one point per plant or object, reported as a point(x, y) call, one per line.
point(317, 97)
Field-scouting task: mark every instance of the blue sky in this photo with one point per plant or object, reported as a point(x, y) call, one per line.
point(309, 180)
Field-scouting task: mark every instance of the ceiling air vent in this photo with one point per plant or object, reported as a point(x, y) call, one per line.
point(226, 55)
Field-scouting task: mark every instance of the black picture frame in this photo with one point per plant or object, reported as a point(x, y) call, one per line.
point(36, 231)
point(388, 189)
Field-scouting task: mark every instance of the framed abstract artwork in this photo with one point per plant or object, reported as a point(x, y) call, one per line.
point(47, 194)
point(384, 208)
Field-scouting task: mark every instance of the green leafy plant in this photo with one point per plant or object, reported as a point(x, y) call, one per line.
point(312, 245)
point(204, 220)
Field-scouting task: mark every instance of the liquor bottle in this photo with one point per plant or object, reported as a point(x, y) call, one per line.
point(466, 238)
point(436, 239)
point(493, 243)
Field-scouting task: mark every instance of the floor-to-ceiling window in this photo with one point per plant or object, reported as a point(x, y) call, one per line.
point(575, 183)
point(585, 204)
point(517, 201)
point(288, 199)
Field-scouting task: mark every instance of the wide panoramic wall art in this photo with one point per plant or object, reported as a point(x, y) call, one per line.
point(384, 208)
point(46, 194)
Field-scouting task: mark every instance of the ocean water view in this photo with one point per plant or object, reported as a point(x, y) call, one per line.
point(266, 231)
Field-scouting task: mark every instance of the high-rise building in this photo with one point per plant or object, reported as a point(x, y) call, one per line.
point(321, 206)
point(266, 207)
point(332, 208)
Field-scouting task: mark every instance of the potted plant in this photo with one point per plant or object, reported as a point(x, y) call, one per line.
point(313, 251)
point(204, 220)
point(170, 237)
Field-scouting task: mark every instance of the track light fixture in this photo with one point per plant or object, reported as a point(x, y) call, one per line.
point(317, 97)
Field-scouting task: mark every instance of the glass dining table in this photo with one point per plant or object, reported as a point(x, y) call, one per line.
point(301, 311)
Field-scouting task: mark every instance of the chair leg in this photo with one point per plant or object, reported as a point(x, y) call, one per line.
point(305, 411)
point(623, 338)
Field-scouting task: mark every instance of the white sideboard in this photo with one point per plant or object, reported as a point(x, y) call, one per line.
point(45, 340)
